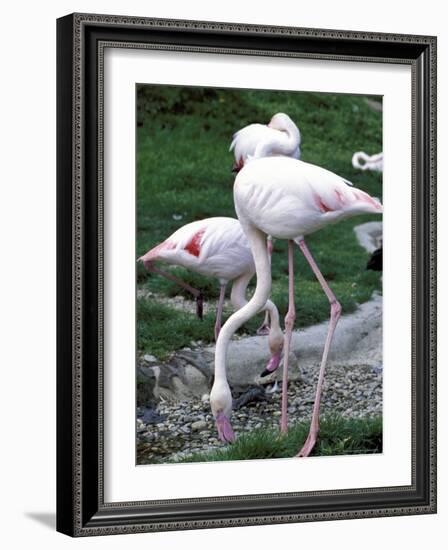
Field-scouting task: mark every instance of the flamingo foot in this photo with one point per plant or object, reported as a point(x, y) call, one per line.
point(224, 427)
point(308, 446)
point(263, 330)
point(273, 364)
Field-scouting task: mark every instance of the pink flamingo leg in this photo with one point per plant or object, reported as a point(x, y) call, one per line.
point(194, 291)
point(334, 317)
point(263, 330)
point(289, 324)
point(222, 293)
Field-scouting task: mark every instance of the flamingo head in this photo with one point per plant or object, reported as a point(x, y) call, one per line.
point(224, 428)
point(221, 404)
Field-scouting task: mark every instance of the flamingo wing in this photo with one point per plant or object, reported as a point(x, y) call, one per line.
point(214, 247)
point(288, 198)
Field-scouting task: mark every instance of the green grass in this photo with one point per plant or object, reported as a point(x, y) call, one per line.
point(159, 324)
point(337, 436)
point(184, 170)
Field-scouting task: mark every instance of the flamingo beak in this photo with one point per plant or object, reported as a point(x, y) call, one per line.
point(273, 364)
point(224, 427)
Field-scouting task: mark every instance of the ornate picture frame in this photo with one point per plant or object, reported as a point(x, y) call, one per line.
point(81, 506)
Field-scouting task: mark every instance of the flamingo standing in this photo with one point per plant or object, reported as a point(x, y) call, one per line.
point(280, 137)
point(216, 247)
point(288, 199)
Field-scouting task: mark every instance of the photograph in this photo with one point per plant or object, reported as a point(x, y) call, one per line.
point(246, 274)
point(258, 266)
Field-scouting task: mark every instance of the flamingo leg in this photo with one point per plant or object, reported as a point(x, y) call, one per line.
point(289, 324)
point(263, 330)
point(222, 293)
point(194, 291)
point(334, 317)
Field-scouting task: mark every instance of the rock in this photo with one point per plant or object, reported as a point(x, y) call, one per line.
point(151, 416)
point(198, 425)
point(149, 358)
point(146, 382)
point(188, 375)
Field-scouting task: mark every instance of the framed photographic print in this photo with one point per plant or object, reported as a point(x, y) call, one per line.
point(246, 274)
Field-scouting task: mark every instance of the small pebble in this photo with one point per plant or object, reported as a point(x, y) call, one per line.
point(199, 425)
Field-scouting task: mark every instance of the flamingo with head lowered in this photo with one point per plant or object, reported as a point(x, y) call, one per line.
point(288, 199)
point(216, 247)
point(280, 137)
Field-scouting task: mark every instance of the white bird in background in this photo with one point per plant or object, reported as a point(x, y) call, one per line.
point(288, 199)
point(374, 163)
point(363, 161)
point(216, 247)
point(280, 137)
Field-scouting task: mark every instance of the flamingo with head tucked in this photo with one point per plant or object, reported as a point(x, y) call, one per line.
point(288, 199)
point(280, 137)
point(363, 161)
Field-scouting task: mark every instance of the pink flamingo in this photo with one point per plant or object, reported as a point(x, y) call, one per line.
point(288, 199)
point(216, 247)
point(280, 137)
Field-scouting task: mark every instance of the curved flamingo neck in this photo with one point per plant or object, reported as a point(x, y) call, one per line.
point(293, 136)
point(238, 299)
point(257, 241)
point(239, 287)
point(283, 146)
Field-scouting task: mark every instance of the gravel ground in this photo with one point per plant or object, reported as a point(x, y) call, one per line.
point(186, 427)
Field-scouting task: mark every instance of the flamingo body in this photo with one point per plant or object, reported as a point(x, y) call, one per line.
point(214, 247)
point(280, 137)
point(289, 198)
point(218, 247)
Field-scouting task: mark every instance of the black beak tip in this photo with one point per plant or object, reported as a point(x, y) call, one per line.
point(264, 373)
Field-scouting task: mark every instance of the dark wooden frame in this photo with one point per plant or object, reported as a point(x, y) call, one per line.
point(81, 39)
